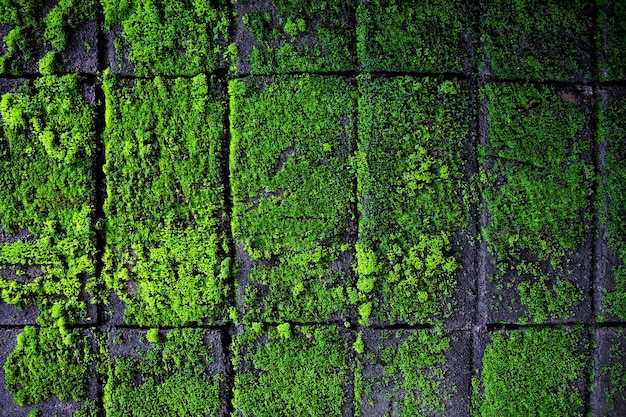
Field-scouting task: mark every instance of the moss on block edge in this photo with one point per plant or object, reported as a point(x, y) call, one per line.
point(179, 372)
point(537, 176)
point(414, 254)
point(292, 370)
point(48, 371)
point(533, 372)
point(292, 170)
point(167, 255)
point(47, 197)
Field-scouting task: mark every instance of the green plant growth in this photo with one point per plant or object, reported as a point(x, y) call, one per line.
point(169, 37)
point(166, 254)
point(536, 182)
point(408, 373)
point(291, 180)
point(172, 377)
point(611, 41)
point(548, 40)
point(612, 130)
point(305, 374)
point(415, 197)
point(299, 36)
point(47, 144)
point(30, 31)
point(537, 372)
point(425, 36)
point(49, 361)
point(613, 371)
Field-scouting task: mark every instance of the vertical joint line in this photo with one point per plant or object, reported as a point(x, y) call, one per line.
point(227, 335)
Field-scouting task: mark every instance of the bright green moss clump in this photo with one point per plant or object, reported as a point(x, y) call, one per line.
point(424, 36)
point(547, 40)
point(407, 372)
point(174, 375)
point(537, 372)
point(166, 254)
point(611, 41)
point(298, 36)
point(29, 31)
point(47, 196)
point(537, 187)
point(49, 361)
point(415, 196)
point(612, 130)
point(291, 180)
point(169, 37)
point(305, 374)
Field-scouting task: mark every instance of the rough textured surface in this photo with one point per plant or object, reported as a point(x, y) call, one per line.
point(179, 372)
point(291, 36)
point(166, 254)
point(312, 207)
point(304, 370)
point(415, 260)
point(168, 37)
point(47, 147)
point(412, 372)
point(293, 200)
point(537, 176)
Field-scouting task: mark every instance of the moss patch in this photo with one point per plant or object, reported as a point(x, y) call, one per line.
point(166, 254)
point(297, 36)
point(177, 372)
point(612, 137)
point(291, 179)
point(537, 372)
point(609, 385)
point(168, 37)
point(304, 374)
point(412, 372)
point(539, 41)
point(50, 361)
point(415, 197)
point(425, 36)
point(611, 41)
point(537, 180)
point(47, 197)
point(40, 34)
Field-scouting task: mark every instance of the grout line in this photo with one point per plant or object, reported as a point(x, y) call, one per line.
point(228, 331)
point(480, 313)
point(595, 226)
point(231, 327)
point(352, 316)
point(100, 190)
point(226, 74)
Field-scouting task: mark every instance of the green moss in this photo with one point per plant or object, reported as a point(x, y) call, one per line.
point(174, 377)
point(410, 370)
point(169, 37)
point(166, 254)
point(549, 40)
point(415, 197)
point(532, 373)
point(537, 180)
point(611, 41)
point(291, 182)
point(47, 146)
point(425, 36)
point(612, 131)
point(30, 31)
point(614, 370)
point(302, 375)
point(49, 361)
point(299, 36)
